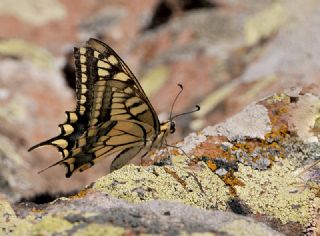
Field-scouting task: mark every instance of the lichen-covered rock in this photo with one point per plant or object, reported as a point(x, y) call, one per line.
point(202, 188)
point(31, 98)
point(13, 171)
point(95, 213)
point(266, 174)
point(7, 216)
point(263, 163)
point(265, 155)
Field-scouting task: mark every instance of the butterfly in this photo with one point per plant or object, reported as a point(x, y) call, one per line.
point(113, 115)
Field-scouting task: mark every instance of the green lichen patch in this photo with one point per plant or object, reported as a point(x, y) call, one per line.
point(192, 234)
point(8, 218)
point(271, 192)
point(200, 188)
point(46, 226)
point(263, 170)
point(10, 224)
point(243, 227)
point(268, 165)
point(100, 230)
point(302, 154)
point(38, 223)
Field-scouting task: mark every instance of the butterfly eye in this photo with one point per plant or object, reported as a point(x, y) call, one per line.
point(172, 127)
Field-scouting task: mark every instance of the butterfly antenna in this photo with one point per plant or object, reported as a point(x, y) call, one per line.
point(175, 99)
point(197, 108)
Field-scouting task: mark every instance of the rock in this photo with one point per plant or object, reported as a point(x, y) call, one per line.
point(33, 99)
point(235, 53)
point(267, 159)
point(34, 12)
point(261, 164)
point(251, 183)
point(99, 214)
point(14, 177)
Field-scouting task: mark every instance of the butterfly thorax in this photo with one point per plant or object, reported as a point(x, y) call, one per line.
point(166, 127)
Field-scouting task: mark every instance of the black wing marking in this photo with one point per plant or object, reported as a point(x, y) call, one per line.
point(109, 139)
point(117, 83)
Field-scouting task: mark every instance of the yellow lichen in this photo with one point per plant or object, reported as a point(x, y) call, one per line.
point(10, 224)
point(100, 230)
point(135, 184)
point(278, 97)
point(270, 192)
point(49, 225)
point(191, 234)
point(24, 227)
point(7, 217)
point(31, 225)
point(244, 227)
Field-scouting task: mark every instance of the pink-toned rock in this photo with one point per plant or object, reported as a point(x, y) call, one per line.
point(33, 101)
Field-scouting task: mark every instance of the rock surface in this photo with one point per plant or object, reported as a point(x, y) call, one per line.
point(264, 181)
point(100, 214)
point(260, 164)
point(219, 50)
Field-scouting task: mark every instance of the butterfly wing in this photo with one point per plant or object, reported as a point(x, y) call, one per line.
point(105, 65)
point(113, 115)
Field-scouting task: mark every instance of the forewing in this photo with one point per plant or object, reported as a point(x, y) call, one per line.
point(117, 94)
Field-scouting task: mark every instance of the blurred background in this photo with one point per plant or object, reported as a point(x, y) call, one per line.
point(226, 53)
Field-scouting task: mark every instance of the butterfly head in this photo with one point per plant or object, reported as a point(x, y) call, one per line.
point(170, 123)
point(168, 126)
